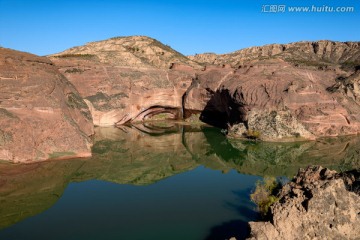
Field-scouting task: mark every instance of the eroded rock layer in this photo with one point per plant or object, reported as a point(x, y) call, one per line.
point(317, 204)
point(286, 92)
point(42, 115)
point(298, 99)
point(128, 79)
point(317, 54)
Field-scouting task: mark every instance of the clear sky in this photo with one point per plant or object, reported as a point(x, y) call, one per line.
point(197, 26)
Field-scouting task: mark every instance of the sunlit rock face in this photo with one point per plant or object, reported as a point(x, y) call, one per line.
point(298, 97)
point(311, 88)
point(317, 54)
point(128, 79)
point(315, 83)
point(42, 115)
point(320, 203)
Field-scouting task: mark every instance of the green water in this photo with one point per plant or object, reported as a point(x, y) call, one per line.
point(162, 181)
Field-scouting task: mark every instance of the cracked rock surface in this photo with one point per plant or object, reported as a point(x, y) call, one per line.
point(317, 204)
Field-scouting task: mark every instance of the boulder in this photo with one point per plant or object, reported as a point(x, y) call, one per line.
point(317, 204)
point(42, 115)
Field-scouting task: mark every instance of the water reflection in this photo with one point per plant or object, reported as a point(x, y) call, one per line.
point(144, 154)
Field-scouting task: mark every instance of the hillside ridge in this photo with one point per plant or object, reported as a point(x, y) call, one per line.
point(322, 52)
point(132, 51)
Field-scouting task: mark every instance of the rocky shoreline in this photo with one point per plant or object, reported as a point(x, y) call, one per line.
point(317, 204)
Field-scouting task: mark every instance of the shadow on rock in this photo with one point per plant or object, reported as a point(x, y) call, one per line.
point(223, 109)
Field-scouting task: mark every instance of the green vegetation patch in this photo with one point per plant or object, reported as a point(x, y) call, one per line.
point(350, 65)
point(132, 74)
point(161, 116)
point(108, 146)
point(74, 70)
point(55, 155)
point(264, 194)
point(103, 102)
point(7, 114)
point(100, 101)
point(5, 137)
point(252, 134)
point(74, 55)
point(75, 101)
point(307, 63)
point(119, 37)
point(119, 95)
point(167, 48)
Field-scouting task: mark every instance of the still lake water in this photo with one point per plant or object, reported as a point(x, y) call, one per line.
point(154, 181)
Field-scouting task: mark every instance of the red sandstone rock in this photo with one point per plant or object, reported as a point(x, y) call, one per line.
point(134, 78)
point(274, 85)
point(42, 115)
point(118, 91)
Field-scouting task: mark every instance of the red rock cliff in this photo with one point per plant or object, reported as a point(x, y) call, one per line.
point(42, 116)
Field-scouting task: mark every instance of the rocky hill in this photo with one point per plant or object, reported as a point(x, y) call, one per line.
point(135, 51)
point(311, 89)
point(318, 54)
point(277, 92)
point(128, 79)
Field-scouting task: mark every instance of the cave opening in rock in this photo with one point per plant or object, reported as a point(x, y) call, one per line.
point(224, 109)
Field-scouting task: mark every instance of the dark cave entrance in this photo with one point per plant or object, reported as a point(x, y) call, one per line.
point(224, 109)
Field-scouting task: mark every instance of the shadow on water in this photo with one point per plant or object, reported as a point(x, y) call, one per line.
point(229, 229)
point(242, 206)
point(145, 154)
point(235, 228)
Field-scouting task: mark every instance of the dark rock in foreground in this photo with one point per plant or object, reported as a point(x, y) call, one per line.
point(317, 204)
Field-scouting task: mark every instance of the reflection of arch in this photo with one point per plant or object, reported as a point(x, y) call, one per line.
point(174, 113)
point(154, 130)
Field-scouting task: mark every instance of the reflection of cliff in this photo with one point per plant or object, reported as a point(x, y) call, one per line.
point(136, 157)
point(142, 155)
point(126, 156)
point(27, 190)
point(285, 159)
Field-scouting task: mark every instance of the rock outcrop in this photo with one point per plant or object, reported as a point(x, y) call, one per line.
point(285, 92)
point(270, 125)
point(275, 86)
point(317, 204)
point(128, 79)
point(321, 54)
point(311, 89)
point(42, 115)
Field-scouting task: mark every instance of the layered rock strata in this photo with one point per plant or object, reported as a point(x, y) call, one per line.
point(285, 92)
point(42, 115)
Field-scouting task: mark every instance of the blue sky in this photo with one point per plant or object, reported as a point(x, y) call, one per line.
point(45, 27)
